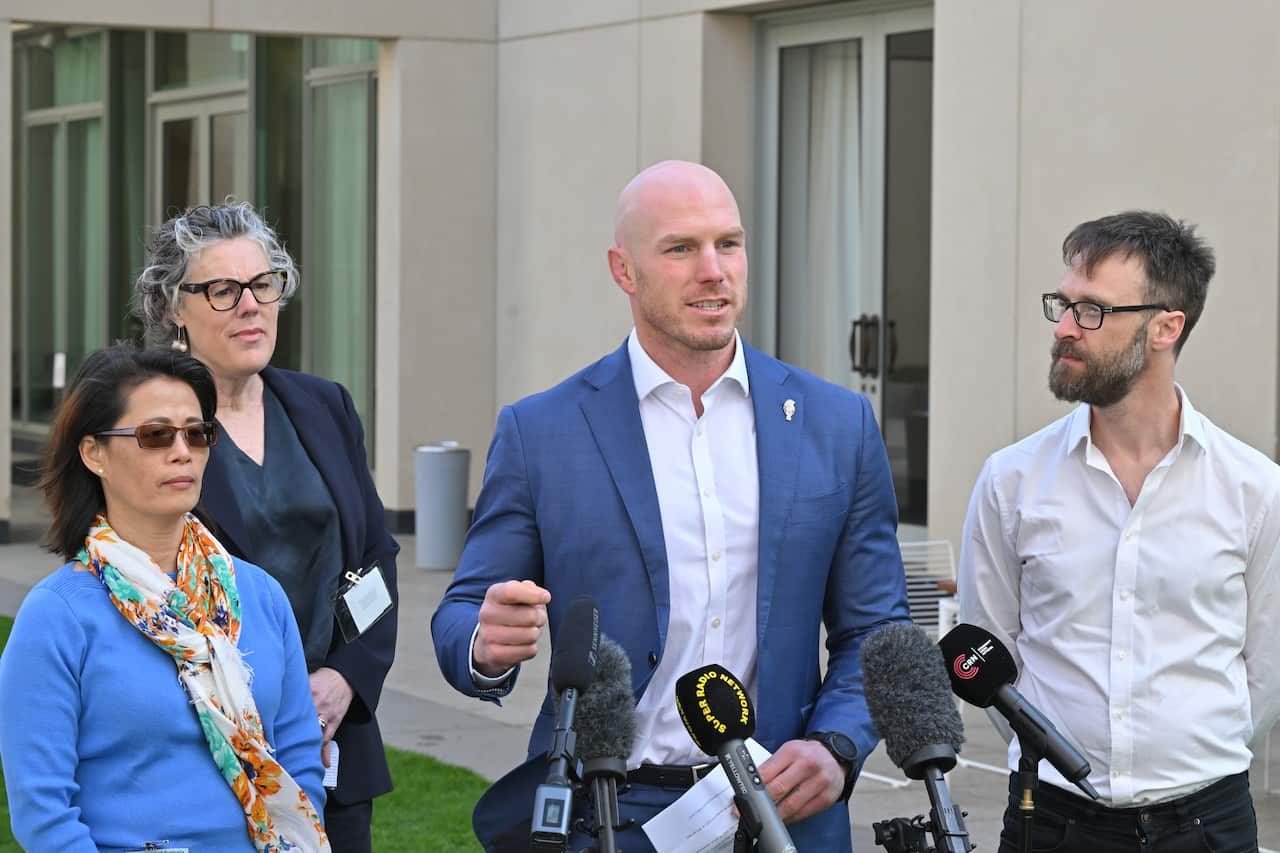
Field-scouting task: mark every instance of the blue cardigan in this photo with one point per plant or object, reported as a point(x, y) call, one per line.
point(101, 748)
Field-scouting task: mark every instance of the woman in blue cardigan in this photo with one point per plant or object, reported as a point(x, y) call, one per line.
point(153, 690)
point(288, 485)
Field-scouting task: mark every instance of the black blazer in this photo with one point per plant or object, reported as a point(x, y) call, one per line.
point(327, 424)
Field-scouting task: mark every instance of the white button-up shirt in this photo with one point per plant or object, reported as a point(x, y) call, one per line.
point(706, 475)
point(1145, 633)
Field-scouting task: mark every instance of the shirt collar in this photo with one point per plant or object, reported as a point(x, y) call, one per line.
point(648, 376)
point(1191, 424)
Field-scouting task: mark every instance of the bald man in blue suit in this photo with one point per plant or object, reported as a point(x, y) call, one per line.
point(719, 505)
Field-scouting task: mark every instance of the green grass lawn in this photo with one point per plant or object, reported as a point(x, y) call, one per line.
point(429, 811)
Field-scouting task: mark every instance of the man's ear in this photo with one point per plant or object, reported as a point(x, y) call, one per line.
point(621, 268)
point(1167, 329)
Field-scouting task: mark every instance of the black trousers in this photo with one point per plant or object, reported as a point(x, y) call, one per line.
point(348, 826)
point(1218, 819)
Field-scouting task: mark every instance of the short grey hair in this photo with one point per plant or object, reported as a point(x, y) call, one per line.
point(176, 243)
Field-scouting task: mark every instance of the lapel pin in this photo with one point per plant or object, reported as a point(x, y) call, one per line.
point(789, 409)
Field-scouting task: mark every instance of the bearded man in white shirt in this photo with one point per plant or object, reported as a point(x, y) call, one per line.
point(1127, 556)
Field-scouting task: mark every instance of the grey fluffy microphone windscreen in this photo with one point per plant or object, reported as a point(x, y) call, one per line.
point(908, 692)
point(606, 717)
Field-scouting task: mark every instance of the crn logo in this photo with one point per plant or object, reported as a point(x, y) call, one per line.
point(966, 665)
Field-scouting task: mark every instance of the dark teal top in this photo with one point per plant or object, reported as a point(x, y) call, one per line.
point(293, 524)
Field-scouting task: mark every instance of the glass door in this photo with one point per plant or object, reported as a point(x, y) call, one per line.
point(841, 272)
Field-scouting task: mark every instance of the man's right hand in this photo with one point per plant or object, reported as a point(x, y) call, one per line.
point(511, 618)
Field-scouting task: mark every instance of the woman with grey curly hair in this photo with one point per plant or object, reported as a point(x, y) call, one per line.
point(288, 485)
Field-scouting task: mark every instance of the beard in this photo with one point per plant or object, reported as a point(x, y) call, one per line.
point(1103, 380)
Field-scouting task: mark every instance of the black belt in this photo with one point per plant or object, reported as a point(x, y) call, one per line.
point(1125, 817)
point(678, 776)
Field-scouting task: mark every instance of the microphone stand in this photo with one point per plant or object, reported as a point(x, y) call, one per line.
point(603, 775)
point(946, 821)
point(1029, 779)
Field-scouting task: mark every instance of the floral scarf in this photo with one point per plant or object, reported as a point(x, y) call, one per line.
point(196, 620)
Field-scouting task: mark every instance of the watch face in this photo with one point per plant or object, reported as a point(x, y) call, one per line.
point(843, 746)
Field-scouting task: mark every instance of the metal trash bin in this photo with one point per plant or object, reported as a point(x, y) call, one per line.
point(440, 474)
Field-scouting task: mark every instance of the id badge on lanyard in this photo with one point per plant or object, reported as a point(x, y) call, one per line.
point(361, 600)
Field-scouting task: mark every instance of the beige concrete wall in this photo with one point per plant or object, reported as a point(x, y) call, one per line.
point(419, 19)
point(6, 278)
point(1048, 114)
point(581, 110)
point(435, 255)
point(974, 247)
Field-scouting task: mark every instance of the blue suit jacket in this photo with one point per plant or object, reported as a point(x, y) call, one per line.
point(569, 501)
point(325, 419)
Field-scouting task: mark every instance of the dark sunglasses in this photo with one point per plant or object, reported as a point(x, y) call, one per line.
point(160, 436)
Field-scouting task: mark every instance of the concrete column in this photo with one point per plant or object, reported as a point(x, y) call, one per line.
point(436, 270)
point(974, 247)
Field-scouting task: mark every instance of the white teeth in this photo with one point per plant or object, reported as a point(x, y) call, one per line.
point(709, 305)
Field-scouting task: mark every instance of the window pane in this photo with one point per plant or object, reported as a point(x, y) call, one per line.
point(85, 243)
point(278, 184)
point(126, 222)
point(68, 72)
point(229, 156)
point(822, 286)
point(908, 138)
point(38, 282)
point(191, 59)
point(338, 286)
point(335, 51)
point(181, 158)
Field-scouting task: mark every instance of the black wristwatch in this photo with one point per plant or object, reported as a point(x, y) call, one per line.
point(845, 753)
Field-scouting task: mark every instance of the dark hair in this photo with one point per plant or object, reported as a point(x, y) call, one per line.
point(177, 242)
point(98, 395)
point(1177, 263)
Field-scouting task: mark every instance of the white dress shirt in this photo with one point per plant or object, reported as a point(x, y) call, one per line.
point(706, 475)
point(1143, 632)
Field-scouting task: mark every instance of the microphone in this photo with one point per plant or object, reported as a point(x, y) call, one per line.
point(573, 667)
point(606, 730)
point(982, 673)
point(718, 714)
point(911, 707)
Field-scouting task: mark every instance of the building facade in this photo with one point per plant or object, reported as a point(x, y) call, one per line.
point(445, 172)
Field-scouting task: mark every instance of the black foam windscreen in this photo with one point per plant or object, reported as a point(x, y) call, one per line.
point(977, 663)
point(606, 718)
point(907, 692)
point(573, 660)
point(714, 707)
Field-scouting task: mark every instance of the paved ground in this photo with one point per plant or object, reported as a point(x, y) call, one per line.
point(422, 713)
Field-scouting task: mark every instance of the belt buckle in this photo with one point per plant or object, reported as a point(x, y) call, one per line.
point(699, 771)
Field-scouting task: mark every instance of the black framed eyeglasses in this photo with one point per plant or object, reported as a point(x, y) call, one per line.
point(161, 436)
point(1089, 315)
point(224, 293)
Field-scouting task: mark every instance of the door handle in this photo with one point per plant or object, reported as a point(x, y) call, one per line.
point(871, 346)
point(855, 326)
point(893, 346)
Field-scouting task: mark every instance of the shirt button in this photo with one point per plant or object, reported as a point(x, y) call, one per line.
point(706, 493)
point(715, 623)
point(698, 431)
point(715, 556)
point(1128, 535)
point(1124, 595)
point(1119, 715)
point(1122, 654)
point(1115, 774)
